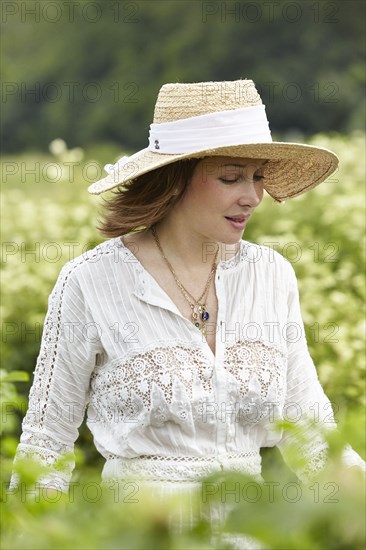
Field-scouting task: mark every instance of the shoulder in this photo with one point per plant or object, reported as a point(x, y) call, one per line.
point(90, 263)
point(264, 256)
point(268, 267)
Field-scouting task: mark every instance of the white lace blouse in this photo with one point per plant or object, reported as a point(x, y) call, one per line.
point(160, 405)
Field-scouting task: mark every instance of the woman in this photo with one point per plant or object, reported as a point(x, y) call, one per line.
point(185, 342)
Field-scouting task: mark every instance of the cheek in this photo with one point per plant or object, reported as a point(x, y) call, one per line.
point(208, 193)
point(260, 191)
point(219, 198)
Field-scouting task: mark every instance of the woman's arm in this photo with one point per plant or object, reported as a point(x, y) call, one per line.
point(306, 407)
point(58, 397)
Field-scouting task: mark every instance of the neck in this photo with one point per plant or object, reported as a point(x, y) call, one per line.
point(184, 247)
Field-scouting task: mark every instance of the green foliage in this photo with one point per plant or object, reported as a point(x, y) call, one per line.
point(278, 513)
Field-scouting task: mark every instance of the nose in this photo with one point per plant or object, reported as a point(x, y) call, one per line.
point(251, 194)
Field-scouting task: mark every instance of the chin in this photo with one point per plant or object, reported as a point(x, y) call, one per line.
point(232, 239)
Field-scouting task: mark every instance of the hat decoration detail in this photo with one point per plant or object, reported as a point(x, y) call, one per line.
point(110, 168)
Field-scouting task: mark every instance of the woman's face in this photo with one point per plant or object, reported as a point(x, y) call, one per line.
point(221, 197)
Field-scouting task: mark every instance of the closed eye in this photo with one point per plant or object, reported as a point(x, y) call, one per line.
point(228, 181)
point(236, 179)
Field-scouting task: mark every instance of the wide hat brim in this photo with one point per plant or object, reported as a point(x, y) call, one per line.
point(292, 168)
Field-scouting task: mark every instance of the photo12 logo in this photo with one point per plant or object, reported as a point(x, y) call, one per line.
point(68, 11)
point(270, 12)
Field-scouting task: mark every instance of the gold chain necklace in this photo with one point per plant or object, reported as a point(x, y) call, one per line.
point(199, 315)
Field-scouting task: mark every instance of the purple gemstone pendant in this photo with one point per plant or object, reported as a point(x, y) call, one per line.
point(204, 316)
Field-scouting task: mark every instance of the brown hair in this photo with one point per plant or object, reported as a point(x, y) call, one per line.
point(145, 200)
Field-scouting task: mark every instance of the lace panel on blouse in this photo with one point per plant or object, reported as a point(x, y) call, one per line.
point(48, 452)
point(258, 371)
point(175, 383)
point(182, 469)
point(162, 380)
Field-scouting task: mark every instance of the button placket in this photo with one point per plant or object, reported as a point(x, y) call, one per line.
point(149, 291)
point(221, 375)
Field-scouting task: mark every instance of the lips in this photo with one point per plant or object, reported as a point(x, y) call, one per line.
point(239, 218)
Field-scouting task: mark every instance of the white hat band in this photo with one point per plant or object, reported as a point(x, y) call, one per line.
point(189, 135)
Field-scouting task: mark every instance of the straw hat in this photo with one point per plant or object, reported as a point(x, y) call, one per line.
point(221, 118)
